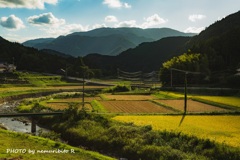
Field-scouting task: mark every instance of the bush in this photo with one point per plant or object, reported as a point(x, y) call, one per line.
point(118, 88)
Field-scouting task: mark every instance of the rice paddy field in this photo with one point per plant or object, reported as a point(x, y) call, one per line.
point(192, 106)
point(227, 100)
point(222, 129)
point(133, 107)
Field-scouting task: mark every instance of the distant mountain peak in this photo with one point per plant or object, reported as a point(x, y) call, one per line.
point(105, 41)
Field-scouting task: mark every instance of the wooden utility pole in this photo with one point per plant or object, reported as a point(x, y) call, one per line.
point(83, 87)
point(185, 93)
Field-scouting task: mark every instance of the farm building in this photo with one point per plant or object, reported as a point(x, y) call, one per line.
point(5, 67)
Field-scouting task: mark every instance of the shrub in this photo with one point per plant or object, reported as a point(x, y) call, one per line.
point(118, 88)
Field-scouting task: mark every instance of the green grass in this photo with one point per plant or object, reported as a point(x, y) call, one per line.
point(97, 107)
point(168, 95)
point(12, 140)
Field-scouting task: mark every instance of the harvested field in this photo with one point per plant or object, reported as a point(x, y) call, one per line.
point(86, 99)
point(62, 106)
point(129, 97)
point(134, 107)
point(192, 106)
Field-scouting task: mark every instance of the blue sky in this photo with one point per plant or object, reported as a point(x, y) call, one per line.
point(21, 20)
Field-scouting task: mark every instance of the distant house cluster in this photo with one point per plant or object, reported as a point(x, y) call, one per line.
point(6, 68)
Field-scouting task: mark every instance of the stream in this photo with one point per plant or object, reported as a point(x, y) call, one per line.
point(17, 124)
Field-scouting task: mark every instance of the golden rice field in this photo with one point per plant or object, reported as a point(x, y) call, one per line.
point(222, 129)
point(232, 101)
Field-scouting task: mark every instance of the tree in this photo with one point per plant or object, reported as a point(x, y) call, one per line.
point(193, 62)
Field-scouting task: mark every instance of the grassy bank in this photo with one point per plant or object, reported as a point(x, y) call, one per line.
point(38, 145)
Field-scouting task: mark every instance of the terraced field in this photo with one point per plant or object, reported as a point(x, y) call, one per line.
point(134, 107)
point(192, 106)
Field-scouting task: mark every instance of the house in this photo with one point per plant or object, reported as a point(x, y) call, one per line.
point(238, 72)
point(5, 67)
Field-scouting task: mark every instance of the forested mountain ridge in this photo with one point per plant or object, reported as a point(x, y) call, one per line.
point(105, 41)
point(31, 59)
point(149, 56)
point(220, 42)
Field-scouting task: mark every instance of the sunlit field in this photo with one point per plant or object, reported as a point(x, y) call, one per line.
point(232, 101)
point(222, 129)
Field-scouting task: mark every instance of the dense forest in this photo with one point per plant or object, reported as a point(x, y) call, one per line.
point(46, 61)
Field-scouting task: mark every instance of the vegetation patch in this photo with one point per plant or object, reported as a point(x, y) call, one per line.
point(125, 140)
point(129, 97)
point(38, 145)
point(98, 107)
point(118, 88)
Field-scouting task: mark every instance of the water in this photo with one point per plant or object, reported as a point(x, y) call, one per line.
point(17, 124)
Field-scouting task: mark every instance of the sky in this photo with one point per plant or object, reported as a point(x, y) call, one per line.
point(22, 20)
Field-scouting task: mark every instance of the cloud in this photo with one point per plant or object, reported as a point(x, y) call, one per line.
point(153, 21)
point(194, 30)
point(70, 28)
point(111, 19)
point(196, 17)
point(116, 4)
point(30, 4)
point(65, 29)
point(97, 26)
point(12, 22)
point(130, 23)
point(45, 19)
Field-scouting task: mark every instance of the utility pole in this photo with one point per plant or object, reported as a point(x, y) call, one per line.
point(83, 88)
point(185, 84)
point(185, 93)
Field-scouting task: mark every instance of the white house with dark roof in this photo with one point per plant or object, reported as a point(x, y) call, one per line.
point(5, 67)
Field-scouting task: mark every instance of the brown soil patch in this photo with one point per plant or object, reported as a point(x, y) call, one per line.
point(133, 107)
point(192, 106)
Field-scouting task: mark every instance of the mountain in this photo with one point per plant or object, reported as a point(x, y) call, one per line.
point(38, 43)
point(149, 56)
point(219, 43)
point(145, 57)
point(31, 59)
point(105, 41)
